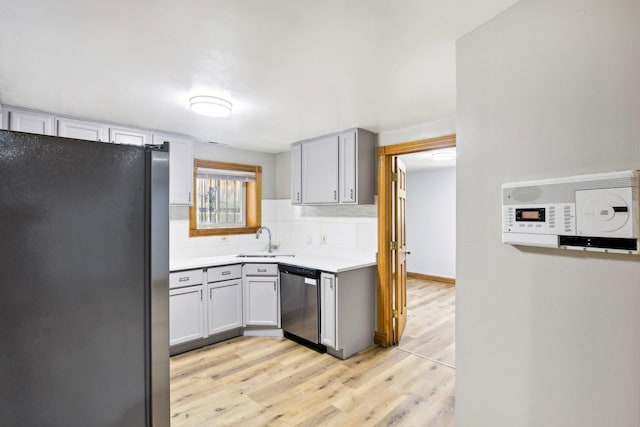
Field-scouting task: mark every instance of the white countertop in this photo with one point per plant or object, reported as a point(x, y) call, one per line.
point(323, 262)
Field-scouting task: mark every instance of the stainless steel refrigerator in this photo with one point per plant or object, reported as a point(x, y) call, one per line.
point(84, 268)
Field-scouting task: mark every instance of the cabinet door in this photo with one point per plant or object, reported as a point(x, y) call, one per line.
point(320, 170)
point(80, 129)
point(128, 136)
point(180, 169)
point(328, 312)
point(296, 174)
point(347, 167)
point(26, 121)
point(261, 301)
point(225, 305)
point(186, 315)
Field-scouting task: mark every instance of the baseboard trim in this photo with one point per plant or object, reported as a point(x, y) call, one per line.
point(446, 280)
point(380, 339)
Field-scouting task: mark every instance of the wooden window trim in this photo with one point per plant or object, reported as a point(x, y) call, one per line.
point(253, 205)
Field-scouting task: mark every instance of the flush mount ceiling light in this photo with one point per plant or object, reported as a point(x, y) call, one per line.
point(442, 156)
point(211, 106)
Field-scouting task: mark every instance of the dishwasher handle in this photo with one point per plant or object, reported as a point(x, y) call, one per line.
point(299, 271)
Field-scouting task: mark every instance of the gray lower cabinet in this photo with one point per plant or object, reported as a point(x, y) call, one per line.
point(261, 295)
point(205, 306)
point(224, 298)
point(347, 307)
point(186, 311)
point(187, 315)
point(217, 303)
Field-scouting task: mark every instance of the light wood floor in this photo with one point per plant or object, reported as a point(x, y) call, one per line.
point(431, 316)
point(258, 381)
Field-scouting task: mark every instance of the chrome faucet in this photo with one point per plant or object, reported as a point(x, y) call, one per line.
point(259, 232)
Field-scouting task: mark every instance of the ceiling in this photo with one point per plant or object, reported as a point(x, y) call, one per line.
point(293, 69)
point(424, 160)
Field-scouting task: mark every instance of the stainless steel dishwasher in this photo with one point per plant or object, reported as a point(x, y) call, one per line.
point(299, 305)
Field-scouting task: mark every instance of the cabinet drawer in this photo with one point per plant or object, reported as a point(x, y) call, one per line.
point(261, 269)
point(180, 279)
point(227, 272)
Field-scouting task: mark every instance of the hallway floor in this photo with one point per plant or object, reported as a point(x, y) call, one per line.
point(431, 317)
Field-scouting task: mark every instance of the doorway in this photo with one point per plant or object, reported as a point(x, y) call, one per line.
point(392, 291)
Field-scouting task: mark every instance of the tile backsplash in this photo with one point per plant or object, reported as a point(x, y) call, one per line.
point(350, 229)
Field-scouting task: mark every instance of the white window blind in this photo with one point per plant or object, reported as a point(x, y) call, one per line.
point(226, 175)
point(221, 195)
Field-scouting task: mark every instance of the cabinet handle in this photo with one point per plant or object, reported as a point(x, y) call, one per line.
point(274, 286)
point(335, 195)
point(226, 273)
point(262, 270)
point(298, 196)
point(351, 193)
point(183, 279)
point(200, 295)
point(189, 196)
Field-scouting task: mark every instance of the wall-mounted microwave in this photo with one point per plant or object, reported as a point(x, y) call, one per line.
point(597, 212)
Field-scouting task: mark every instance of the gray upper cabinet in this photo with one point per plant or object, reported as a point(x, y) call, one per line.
point(296, 174)
point(320, 170)
point(28, 121)
point(348, 168)
point(334, 169)
point(119, 135)
point(81, 129)
point(357, 166)
point(180, 169)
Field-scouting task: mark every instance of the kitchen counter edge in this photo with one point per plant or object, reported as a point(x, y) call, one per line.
point(318, 262)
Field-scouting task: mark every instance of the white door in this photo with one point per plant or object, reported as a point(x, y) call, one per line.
point(225, 306)
point(328, 321)
point(80, 129)
point(186, 314)
point(348, 167)
point(320, 170)
point(296, 174)
point(261, 301)
point(26, 121)
point(400, 256)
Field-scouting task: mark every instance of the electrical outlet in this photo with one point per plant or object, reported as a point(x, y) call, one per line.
point(323, 239)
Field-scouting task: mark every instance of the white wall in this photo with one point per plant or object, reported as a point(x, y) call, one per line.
point(545, 337)
point(431, 222)
point(182, 246)
point(345, 228)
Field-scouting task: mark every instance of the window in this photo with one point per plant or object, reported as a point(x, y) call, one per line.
point(227, 199)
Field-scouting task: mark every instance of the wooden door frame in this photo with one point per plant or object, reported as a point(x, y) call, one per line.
point(384, 329)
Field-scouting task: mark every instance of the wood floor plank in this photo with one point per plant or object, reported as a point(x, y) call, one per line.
point(265, 381)
point(430, 329)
